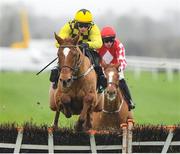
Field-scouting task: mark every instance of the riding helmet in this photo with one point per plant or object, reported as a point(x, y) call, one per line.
point(83, 15)
point(108, 32)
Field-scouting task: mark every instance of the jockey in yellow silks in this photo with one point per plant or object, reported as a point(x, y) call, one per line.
point(90, 33)
point(90, 40)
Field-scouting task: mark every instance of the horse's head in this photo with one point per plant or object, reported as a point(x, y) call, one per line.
point(69, 58)
point(111, 73)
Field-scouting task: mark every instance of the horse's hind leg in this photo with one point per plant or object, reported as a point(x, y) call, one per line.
point(82, 118)
point(88, 122)
point(86, 113)
point(85, 120)
point(79, 125)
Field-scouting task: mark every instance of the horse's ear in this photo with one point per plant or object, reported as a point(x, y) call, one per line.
point(118, 65)
point(59, 39)
point(76, 40)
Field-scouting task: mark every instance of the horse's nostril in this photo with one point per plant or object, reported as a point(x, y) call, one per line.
point(68, 80)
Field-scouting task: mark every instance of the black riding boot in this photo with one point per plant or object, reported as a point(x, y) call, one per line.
point(101, 80)
point(125, 90)
point(54, 76)
point(95, 59)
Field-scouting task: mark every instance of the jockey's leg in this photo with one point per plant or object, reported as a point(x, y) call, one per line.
point(95, 59)
point(54, 76)
point(125, 90)
point(101, 80)
point(53, 86)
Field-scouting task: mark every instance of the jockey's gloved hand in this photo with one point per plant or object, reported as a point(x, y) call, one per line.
point(85, 45)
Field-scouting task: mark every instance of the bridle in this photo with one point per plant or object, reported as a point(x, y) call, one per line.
point(122, 101)
point(78, 63)
point(116, 111)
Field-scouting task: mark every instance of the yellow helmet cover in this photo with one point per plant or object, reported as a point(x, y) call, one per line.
point(83, 15)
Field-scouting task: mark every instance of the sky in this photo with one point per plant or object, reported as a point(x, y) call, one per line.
point(54, 8)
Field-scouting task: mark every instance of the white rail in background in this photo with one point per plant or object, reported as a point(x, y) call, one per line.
point(34, 59)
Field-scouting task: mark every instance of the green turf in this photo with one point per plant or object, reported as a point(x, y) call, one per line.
point(24, 97)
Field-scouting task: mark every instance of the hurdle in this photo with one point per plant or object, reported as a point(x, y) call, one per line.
point(129, 140)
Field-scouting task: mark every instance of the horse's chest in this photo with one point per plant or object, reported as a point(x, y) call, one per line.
point(76, 104)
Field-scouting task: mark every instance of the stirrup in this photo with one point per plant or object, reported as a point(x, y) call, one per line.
point(100, 89)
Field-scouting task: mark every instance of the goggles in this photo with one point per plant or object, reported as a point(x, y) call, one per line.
point(85, 25)
point(108, 39)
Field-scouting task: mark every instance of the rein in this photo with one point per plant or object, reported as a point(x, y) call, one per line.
point(83, 74)
point(62, 46)
point(122, 100)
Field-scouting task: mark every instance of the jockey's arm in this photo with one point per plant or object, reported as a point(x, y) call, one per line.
point(121, 57)
point(64, 32)
point(95, 37)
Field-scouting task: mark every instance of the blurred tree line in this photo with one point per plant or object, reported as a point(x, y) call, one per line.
point(141, 35)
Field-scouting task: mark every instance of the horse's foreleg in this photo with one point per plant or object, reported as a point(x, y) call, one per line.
point(56, 118)
point(66, 105)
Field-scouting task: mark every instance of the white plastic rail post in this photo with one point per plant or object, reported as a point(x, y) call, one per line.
point(18, 140)
point(124, 137)
point(168, 140)
point(92, 141)
point(129, 135)
point(50, 141)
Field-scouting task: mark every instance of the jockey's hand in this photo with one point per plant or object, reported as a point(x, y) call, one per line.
point(84, 45)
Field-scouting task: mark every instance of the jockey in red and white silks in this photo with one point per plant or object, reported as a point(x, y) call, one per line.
point(113, 51)
point(114, 55)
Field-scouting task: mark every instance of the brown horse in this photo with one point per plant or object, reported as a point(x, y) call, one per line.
point(76, 93)
point(115, 108)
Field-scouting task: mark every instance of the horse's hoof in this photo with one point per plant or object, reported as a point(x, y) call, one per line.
point(54, 127)
point(69, 115)
point(87, 126)
point(79, 126)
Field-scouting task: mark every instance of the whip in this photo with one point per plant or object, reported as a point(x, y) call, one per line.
point(46, 66)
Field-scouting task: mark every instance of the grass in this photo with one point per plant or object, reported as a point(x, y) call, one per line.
point(24, 97)
point(158, 101)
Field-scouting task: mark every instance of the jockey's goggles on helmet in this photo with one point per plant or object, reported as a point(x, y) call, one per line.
point(82, 24)
point(108, 39)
